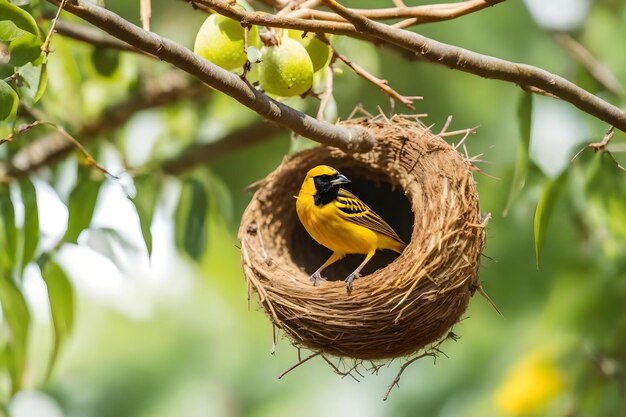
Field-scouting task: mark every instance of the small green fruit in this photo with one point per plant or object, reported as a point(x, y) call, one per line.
point(286, 70)
point(221, 41)
point(317, 50)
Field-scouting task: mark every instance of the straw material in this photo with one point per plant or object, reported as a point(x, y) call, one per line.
point(425, 190)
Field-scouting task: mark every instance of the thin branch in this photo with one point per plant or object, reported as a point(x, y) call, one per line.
point(526, 76)
point(412, 15)
point(602, 146)
point(441, 12)
point(486, 66)
point(145, 13)
point(348, 139)
point(45, 47)
point(203, 153)
point(52, 148)
point(94, 37)
point(596, 69)
point(295, 6)
point(266, 19)
point(89, 160)
point(327, 95)
point(380, 83)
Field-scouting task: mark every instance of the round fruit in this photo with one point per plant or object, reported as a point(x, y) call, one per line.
point(318, 50)
point(286, 70)
point(221, 41)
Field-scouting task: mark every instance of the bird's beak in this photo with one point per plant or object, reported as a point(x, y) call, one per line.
point(340, 179)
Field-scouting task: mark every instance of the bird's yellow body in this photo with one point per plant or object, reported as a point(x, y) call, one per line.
point(338, 220)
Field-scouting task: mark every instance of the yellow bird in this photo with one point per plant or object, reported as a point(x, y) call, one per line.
point(337, 219)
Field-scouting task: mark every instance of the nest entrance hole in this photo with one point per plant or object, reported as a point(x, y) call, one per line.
point(382, 195)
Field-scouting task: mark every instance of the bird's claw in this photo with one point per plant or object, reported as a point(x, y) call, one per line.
point(350, 279)
point(316, 277)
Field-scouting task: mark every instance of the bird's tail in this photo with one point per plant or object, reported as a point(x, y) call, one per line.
point(395, 245)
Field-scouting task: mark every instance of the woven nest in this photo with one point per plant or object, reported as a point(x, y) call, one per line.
point(425, 190)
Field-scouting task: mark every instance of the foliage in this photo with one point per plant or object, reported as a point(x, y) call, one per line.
point(139, 332)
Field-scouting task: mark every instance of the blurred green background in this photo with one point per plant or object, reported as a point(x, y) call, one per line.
point(172, 336)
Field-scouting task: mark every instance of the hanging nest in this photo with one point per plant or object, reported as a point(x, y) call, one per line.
point(402, 303)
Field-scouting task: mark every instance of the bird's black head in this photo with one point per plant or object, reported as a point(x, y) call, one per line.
point(327, 186)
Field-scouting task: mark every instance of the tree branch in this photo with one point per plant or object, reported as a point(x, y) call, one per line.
point(413, 15)
point(202, 153)
point(52, 148)
point(383, 85)
point(528, 77)
point(348, 139)
point(486, 66)
point(596, 69)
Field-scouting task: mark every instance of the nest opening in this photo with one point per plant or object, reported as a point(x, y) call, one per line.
point(376, 190)
point(402, 303)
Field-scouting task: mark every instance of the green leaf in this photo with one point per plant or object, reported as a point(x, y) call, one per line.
point(61, 296)
point(25, 49)
point(34, 81)
point(81, 205)
point(8, 101)
point(524, 118)
point(148, 189)
point(220, 194)
point(43, 83)
point(104, 240)
point(7, 212)
point(17, 317)
point(14, 22)
point(191, 217)
point(31, 221)
point(544, 210)
point(522, 164)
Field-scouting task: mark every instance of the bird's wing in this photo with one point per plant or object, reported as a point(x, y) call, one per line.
point(356, 211)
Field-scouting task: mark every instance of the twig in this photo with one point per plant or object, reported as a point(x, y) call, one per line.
point(300, 362)
point(89, 160)
point(363, 73)
point(145, 13)
point(486, 66)
point(526, 76)
point(413, 15)
point(326, 95)
point(45, 48)
point(348, 139)
point(441, 12)
point(598, 71)
point(602, 147)
point(294, 6)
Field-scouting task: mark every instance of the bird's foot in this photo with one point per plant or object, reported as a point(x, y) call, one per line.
point(316, 277)
point(351, 278)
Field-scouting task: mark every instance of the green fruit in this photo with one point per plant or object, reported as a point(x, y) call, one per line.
point(317, 50)
point(221, 41)
point(286, 70)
